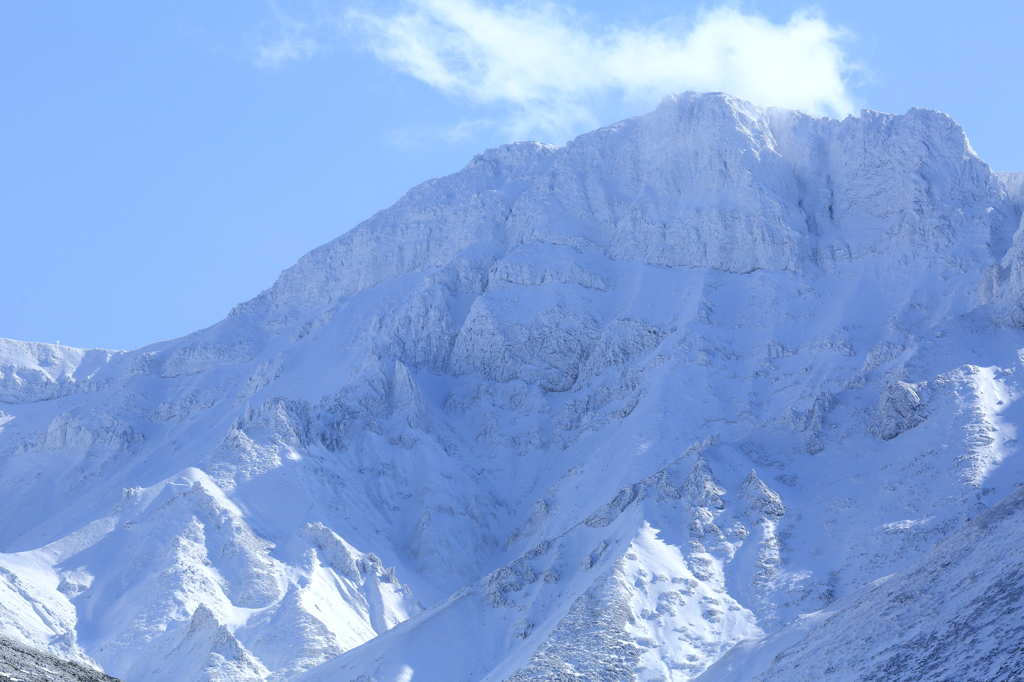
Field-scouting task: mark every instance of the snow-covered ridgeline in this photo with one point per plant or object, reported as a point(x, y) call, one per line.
point(495, 387)
point(40, 371)
point(704, 181)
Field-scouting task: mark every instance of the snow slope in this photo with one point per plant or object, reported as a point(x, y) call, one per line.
point(952, 615)
point(599, 411)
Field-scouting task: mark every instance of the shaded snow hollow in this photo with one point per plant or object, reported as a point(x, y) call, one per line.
point(600, 411)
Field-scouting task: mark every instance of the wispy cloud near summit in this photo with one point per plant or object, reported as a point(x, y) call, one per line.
point(552, 70)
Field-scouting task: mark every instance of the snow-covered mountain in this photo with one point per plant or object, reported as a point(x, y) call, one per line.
point(594, 412)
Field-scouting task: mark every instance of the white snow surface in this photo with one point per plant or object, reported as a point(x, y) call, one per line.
point(952, 615)
point(593, 412)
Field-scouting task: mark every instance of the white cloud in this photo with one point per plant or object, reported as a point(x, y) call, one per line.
point(293, 41)
point(553, 70)
point(286, 49)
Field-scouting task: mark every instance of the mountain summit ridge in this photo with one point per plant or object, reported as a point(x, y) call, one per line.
point(600, 410)
point(710, 131)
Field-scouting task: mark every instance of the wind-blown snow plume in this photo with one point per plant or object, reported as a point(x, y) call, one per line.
point(553, 70)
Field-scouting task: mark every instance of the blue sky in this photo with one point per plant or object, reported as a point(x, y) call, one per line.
point(161, 162)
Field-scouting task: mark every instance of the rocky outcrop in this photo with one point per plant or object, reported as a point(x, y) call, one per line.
point(899, 409)
point(22, 663)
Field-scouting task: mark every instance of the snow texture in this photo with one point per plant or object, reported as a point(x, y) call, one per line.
point(602, 411)
point(952, 615)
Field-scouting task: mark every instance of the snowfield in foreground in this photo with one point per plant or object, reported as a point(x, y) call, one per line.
point(717, 393)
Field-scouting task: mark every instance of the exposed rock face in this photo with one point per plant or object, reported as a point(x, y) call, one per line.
point(900, 408)
point(1013, 183)
point(601, 410)
point(22, 663)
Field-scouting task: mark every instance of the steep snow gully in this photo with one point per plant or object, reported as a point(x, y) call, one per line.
point(717, 393)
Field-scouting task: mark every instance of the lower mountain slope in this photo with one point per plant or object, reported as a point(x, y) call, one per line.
point(21, 663)
point(600, 411)
point(955, 614)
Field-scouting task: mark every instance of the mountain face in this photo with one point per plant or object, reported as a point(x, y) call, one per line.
point(953, 615)
point(692, 384)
